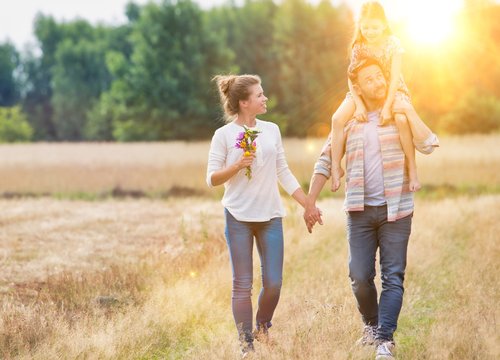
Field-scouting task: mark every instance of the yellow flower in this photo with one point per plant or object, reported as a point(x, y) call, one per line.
point(247, 153)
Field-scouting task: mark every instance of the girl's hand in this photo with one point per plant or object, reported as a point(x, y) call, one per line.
point(360, 113)
point(245, 160)
point(401, 107)
point(385, 116)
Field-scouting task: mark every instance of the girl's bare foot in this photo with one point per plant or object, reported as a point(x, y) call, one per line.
point(337, 173)
point(414, 184)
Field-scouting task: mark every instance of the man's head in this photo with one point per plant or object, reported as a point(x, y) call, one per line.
point(368, 80)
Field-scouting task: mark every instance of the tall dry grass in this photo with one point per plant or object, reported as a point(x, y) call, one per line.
point(82, 266)
point(150, 279)
point(154, 283)
point(159, 167)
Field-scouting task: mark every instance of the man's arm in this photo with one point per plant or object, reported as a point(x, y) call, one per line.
point(318, 180)
point(423, 138)
point(311, 213)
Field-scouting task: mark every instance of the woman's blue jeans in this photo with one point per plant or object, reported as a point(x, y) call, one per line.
point(269, 240)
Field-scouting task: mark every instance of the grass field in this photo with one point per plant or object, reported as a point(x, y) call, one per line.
point(149, 277)
point(76, 170)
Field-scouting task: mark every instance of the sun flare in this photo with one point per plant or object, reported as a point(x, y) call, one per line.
point(430, 22)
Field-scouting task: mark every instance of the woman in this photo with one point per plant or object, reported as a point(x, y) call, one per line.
point(252, 203)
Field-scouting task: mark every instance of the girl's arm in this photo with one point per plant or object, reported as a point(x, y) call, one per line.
point(355, 96)
point(397, 61)
point(360, 106)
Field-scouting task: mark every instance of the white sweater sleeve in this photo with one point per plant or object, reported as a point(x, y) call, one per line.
point(285, 176)
point(216, 155)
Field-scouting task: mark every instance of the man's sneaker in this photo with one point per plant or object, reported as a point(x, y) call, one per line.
point(384, 350)
point(369, 334)
point(246, 349)
point(261, 332)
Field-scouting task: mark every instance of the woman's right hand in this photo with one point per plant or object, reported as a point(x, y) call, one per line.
point(245, 160)
point(360, 113)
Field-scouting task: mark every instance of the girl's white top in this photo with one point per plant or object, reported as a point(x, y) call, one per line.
point(257, 199)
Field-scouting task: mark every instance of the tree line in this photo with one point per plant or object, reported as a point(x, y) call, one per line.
point(150, 78)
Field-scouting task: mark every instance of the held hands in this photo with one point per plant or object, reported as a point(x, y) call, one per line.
point(312, 215)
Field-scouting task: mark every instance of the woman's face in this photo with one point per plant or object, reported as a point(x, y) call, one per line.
point(372, 30)
point(256, 102)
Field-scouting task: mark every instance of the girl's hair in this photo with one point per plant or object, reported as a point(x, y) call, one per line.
point(232, 89)
point(370, 10)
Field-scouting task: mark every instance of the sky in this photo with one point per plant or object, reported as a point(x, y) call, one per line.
point(16, 16)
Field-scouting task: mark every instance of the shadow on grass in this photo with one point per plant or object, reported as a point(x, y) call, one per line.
point(115, 193)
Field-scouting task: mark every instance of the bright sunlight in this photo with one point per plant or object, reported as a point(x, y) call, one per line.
point(430, 22)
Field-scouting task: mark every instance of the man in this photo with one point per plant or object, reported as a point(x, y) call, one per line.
point(378, 204)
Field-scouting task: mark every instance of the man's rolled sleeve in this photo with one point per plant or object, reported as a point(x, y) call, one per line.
point(324, 163)
point(428, 145)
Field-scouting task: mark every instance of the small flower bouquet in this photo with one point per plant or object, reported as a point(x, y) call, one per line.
point(246, 142)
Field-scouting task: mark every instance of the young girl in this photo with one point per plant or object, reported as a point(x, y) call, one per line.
point(374, 37)
point(252, 203)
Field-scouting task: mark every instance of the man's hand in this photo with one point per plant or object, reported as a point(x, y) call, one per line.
point(312, 215)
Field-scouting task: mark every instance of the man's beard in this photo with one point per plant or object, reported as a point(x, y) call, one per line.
point(382, 90)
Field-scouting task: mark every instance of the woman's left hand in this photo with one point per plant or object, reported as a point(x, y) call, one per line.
point(312, 215)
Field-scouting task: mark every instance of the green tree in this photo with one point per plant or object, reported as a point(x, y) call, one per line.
point(312, 45)
point(14, 126)
point(99, 125)
point(162, 92)
point(474, 113)
point(38, 74)
point(248, 31)
point(65, 82)
point(79, 77)
point(9, 87)
point(149, 79)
